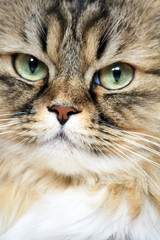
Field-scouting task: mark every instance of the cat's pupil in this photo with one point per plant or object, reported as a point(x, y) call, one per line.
point(116, 73)
point(33, 64)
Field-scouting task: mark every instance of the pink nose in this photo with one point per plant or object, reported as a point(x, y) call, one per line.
point(63, 113)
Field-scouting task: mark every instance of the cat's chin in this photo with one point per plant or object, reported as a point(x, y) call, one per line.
point(61, 139)
point(63, 157)
point(65, 153)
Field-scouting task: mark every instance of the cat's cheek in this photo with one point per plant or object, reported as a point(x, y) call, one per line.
point(46, 125)
point(79, 125)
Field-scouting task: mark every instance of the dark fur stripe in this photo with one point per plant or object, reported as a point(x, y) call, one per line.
point(102, 46)
point(7, 80)
point(24, 36)
point(106, 121)
point(27, 108)
point(55, 10)
point(154, 72)
point(43, 38)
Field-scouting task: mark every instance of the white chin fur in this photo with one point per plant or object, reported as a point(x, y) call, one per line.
point(73, 215)
point(63, 158)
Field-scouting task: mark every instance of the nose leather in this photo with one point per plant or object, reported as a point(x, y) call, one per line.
point(63, 112)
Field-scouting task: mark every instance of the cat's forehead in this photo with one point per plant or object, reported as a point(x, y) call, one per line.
point(74, 30)
point(88, 28)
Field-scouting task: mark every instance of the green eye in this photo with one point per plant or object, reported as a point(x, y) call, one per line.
point(116, 76)
point(30, 68)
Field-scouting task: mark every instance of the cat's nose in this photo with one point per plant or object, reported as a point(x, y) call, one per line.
point(63, 112)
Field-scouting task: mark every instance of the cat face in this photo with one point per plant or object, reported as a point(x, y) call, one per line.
point(80, 84)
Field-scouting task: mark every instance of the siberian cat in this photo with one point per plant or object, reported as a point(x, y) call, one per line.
point(80, 120)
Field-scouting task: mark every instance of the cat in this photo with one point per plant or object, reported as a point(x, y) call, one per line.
point(80, 120)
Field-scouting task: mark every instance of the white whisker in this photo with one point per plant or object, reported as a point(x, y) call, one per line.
point(6, 132)
point(142, 146)
point(121, 157)
point(143, 134)
point(137, 134)
point(7, 125)
point(147, 176)
point(8, 140)
point(8, 119)
point(138, 155)
point(11, 114)
point(140, 138)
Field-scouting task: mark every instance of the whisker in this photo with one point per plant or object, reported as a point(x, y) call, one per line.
point(130, 132)
point(6, 132)
point(119, 154)
point(140, 138)
point(146, 135)
point(121, 157)
point(8, 140)
point(8, 119)
point(138, 155)
point(125, 156)
point(14, 147)
point(146, 175)
point(11, 114)
point(7, 125)
point(142, 146)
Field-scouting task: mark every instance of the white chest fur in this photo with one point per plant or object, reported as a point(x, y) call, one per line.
point(74, 215)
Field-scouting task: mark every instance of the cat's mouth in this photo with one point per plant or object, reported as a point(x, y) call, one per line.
point(61, 137)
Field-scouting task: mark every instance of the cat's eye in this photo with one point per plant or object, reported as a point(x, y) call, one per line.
point(115, 76)
point(30, 68)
